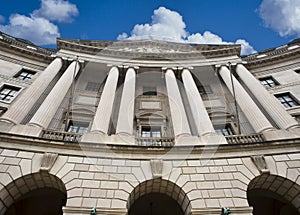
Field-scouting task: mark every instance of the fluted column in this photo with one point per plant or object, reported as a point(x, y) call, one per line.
point(278, 113)
point(47, 110)
point(254, 115)
point(178, 114)
point(126, 112)
point(23, 104)
point(200, 115)
point(105, 106)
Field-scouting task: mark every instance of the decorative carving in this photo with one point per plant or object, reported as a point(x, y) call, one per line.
point(48, 161)
point(260, 163)
point(156, 168)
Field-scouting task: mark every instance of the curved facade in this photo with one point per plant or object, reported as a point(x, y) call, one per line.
point(148, 127)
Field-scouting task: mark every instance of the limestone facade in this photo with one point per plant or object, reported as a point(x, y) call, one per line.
point(107, 123)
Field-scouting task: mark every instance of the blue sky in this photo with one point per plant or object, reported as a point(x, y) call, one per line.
point(255, 24)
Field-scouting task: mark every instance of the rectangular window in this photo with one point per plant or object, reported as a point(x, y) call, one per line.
point(93, 86)
point(149, 91)
point(268, 82)
point(25, 74)
point(205, 90)
point(78, 127)
point(287, 100)
point(224, 129)
point(8, 93)
point(151, 131)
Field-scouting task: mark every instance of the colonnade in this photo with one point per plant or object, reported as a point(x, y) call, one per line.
point(100, 124)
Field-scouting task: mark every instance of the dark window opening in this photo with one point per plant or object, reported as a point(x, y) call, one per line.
point(78, 127)
point(151, 131)
point(93, 86)
point(149, 91)
point(224, 129)
point(205, 90)
point(7, 93)
point(268, 82)
point(287, 100)
point(25, 74)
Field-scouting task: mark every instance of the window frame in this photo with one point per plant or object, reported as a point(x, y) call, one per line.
point(287, 104)
point(268, 82)
point(25, 78)
point(151, 131)
point(204, 89)
point(94, 86)
point(149, 91)
point(224, 129)
point(77, 126)
point(3, 85)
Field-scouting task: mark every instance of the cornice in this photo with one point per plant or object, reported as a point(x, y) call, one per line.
point(36, 144)
point(271, 56)
point(148, 49)
point(24, 48)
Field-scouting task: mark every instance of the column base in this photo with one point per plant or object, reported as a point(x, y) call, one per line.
point(295, 131)
point(100, 138)
point(123, 139)
point(213, 139)
point(26, 130)
point(187, 140)
point(280, 134)
point(6, 125)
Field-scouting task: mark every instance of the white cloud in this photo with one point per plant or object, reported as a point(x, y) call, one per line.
point(57, 10)
point(37, 30)
point(283, 16)
point(37, 27)
point(169, 25)
point(2, 18)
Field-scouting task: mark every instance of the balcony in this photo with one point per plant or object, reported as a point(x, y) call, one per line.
point(61, 136)
point(245, 138)
point(161, 141)
point(152, 142)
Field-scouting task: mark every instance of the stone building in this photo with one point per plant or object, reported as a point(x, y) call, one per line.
point(148, 127)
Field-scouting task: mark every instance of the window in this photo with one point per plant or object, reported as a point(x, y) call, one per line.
point(268, 82)
point(149, 91)
point(151, 131)
point(8, 93)
point(93, 86)
point(224, 129)
point(297, 71)
point(25, 74)
point(287, 100)
point(204, 90)
point(78, 127)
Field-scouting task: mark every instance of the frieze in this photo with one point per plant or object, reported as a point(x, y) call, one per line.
point(149, 49)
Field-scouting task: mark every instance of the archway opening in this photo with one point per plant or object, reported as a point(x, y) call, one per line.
point(46, 201)
point(37, 193)
point(158, 197)
point(155, 204)
point(273, 195)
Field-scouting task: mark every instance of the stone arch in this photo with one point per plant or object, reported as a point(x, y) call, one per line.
point(25, 184)
point(164, 187)
point(275, 187)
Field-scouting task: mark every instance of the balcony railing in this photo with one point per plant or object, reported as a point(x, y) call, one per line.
point(60, 135)
point(157, 142)
point(245, 138)
point(160, 141)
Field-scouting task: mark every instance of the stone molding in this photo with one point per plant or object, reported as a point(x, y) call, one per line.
point(156, 168)
point(48, 161)
point(260, 163)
